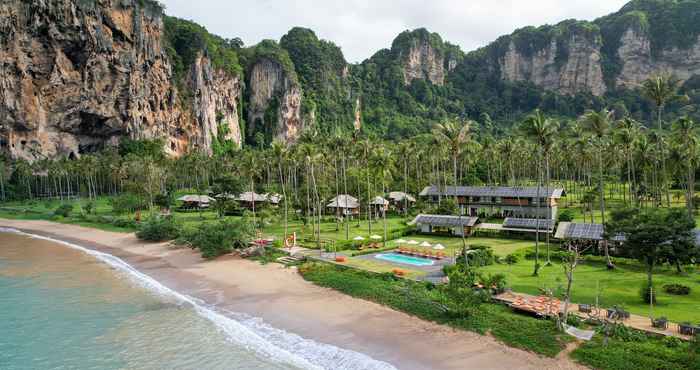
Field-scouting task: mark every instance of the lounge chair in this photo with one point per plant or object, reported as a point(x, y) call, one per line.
point(660, 323)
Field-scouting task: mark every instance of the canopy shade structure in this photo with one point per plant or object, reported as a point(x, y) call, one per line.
point(400, 241)
point(439, 247)
point(412, 242)
point(425, 244)
point(344, 201)
point(358, 238)
point(375, 237)
point(196, 199)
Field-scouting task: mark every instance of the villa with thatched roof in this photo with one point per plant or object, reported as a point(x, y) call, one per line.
point(250, 199)
point(379, 205)
point(401, 201)
point(344, 205)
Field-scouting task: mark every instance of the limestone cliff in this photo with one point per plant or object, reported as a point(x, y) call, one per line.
point(567, 65)
point(274, 101)
point(422, 56)
point(638, 62)
point(78, 74)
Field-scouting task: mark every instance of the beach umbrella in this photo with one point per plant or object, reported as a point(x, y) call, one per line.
point(375, 237)
point(425, 244)
point(400, 241)
point(412, 242)
point(358, 238)
point(439, 247)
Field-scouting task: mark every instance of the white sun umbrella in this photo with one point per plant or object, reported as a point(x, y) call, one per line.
point(375, 237)
point(400, 241)
point(358, 238)
point(412, 242)
point(425, 244)
point(439, 247)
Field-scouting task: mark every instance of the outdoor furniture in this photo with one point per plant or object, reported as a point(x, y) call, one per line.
point(687, 329)
point(660, 323)
point(618, 313)
point(585, 308)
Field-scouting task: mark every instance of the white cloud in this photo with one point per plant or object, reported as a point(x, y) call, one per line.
point(361, 27)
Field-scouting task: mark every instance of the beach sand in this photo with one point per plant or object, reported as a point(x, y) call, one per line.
point(284, 300)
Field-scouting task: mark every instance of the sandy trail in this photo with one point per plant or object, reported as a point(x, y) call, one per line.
point(283, 299)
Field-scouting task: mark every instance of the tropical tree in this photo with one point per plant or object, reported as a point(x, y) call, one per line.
point(598, 124)
point(687, 138)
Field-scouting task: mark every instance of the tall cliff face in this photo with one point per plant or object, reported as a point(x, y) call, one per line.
point(579, 71)
point(638, 62)
point(76, 75)
point(422, 56)
point(274, 101)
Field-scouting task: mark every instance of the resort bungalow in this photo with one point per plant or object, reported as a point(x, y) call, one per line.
point(273, 199)
point(344, 205)
point(251, 199)
point(400, 201)
point(195, 201)
point(501, 201)
point(379, 205)
point(439, 224)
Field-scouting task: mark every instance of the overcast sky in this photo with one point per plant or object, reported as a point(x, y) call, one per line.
point(361, 27)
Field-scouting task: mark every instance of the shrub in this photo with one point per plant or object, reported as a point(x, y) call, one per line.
point(127, 203)
point(89, 207)
point(216, 239)
point(511, 259)
point(677, 289)
point(125, 223)
point(158, 229)
point(566, 215)
point(481, 256)
point(496, 282)
point(672, 342)
point(64, 210)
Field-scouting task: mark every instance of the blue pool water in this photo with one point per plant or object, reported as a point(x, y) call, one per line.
point(407, 260)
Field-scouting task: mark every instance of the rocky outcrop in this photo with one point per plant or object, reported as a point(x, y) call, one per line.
point(638, 62)
point(576, 69)
point(274, 101)
point(423, 61)
point(77, 74)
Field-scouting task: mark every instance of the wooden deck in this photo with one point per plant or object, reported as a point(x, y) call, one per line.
point(532, 304)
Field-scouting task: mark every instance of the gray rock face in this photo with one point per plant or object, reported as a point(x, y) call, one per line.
point(274, 97)
point(580, 72)
point(76, 75)
point(424, 62)
point(638, 63)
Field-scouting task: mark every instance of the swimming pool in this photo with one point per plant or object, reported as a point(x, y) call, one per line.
point(407, 260)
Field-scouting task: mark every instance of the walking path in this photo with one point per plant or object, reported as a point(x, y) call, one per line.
point(634, 321)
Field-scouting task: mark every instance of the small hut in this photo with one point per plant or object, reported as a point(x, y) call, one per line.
point(251, 199)
point(344, 205)
point(379, 206)
point(195, 201)
point(274, 199)
point(401, 201)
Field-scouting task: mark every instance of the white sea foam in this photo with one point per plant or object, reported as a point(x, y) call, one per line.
point(249, 332)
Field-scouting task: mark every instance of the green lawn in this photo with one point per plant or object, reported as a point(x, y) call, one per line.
point(618, 287)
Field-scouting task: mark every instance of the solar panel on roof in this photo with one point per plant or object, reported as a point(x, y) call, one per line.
point(585, 231)
point(528, 223)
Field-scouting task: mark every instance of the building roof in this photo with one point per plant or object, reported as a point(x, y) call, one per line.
point(250, 196)
point(196, 199)
point(528, 223)
point(344, 201)
point(494, 191)
point(273, 198)
point(445, 221)
point(379, 201)
point(399, 196)
point(569, 230)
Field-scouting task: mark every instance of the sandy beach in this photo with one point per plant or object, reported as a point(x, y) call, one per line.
point(284, 300)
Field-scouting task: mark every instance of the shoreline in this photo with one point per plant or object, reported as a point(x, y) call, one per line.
point(281, 298)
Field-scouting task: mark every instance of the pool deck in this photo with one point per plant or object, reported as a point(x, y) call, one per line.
point(433, 272)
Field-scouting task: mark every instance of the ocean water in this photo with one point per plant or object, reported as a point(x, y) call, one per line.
point(66, 307)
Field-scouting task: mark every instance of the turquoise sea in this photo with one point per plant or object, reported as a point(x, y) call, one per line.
point(65, 307)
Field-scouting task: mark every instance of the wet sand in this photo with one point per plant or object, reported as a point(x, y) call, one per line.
point(283, 299)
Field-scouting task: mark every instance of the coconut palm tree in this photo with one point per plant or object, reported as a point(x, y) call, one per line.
point(662, 90)
point(541, 130)
point(626, 134)
point(280, 152)
point(598, 124)
point(687, 138)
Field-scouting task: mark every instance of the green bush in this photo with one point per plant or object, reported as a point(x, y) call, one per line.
point(64, 210)
point(566, 215)
point(496, 282)
point(125, 223)
point(158, 229)
point(127, 203)
point(677, 289)
point(481, 256)
point(216, 239)
point(511, 259)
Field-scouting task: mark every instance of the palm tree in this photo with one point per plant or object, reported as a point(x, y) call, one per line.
point(456, 135)
point(598, 124)
point(662, 90)
point(687, 138)
point(541, 130)
point(626, 134)
point(280, 152)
